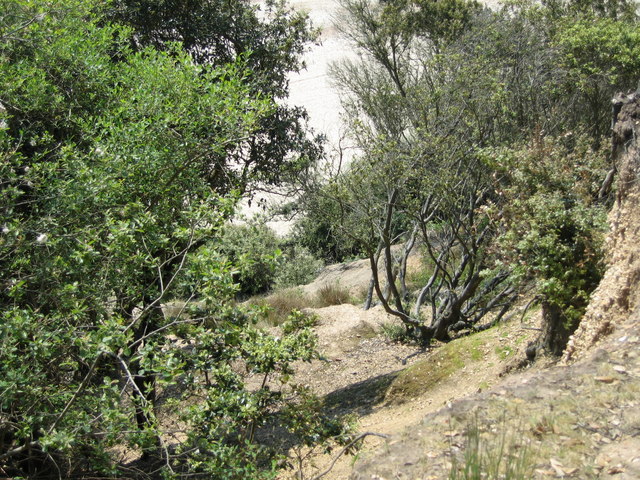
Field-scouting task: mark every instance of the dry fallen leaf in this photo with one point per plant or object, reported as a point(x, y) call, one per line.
point(616, 469)
point(545, 472)
point(557, 467)
point(604, 379)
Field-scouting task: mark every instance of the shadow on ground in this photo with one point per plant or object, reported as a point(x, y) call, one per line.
point(359, 398)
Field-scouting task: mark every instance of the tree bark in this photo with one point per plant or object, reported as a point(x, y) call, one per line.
point(556, 329)
point(369, 300)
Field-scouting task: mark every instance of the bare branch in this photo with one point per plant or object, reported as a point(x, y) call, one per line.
point(81, 387)
point(346, 449)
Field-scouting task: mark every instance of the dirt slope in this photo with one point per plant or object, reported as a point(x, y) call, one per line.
point(389, 386)
point(579, 421)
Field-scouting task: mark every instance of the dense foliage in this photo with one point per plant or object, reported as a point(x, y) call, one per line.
point(555, 226)
point(270, 39)
point(130, 129)
point(264, 260)
point(119, 164)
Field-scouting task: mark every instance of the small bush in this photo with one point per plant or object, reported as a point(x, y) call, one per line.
point(396, 333)
point(360, 295)
point(298, 267)
point(254, 249)
point(318, 231)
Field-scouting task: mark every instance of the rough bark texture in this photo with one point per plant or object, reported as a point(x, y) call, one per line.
point(556, 331)
point(619, 291)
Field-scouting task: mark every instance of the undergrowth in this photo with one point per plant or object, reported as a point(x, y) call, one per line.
point(397, 333)
point(279, 304)
point(505, 456)
point(332, 294)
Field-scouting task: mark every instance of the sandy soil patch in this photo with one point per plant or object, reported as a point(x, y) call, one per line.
point(389, 386)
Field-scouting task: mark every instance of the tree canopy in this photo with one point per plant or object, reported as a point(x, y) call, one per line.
point(120, 163)
point(269, 39)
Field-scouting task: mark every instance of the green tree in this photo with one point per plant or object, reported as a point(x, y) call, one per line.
point(420, 104)
point(438, 86)
point(554, 227)
point(113, 167)
point(271, 39)
point(601, 58)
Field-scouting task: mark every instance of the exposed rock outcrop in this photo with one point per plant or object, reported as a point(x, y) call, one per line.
point(618, 294)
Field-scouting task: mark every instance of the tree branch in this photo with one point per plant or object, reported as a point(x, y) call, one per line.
point(345, 449)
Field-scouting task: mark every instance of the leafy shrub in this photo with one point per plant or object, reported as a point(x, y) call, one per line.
point(116, 171)
point(554, 225)
point(397, 333)
point(296, 268)
point(601, 57)
point(256, 252)
point(318, 231)
point(254, 249)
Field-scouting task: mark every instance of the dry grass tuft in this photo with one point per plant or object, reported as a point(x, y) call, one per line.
point(332, 294)
point(281, 303)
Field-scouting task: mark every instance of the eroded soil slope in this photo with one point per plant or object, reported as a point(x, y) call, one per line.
point(389, 387)
point(579, 421)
